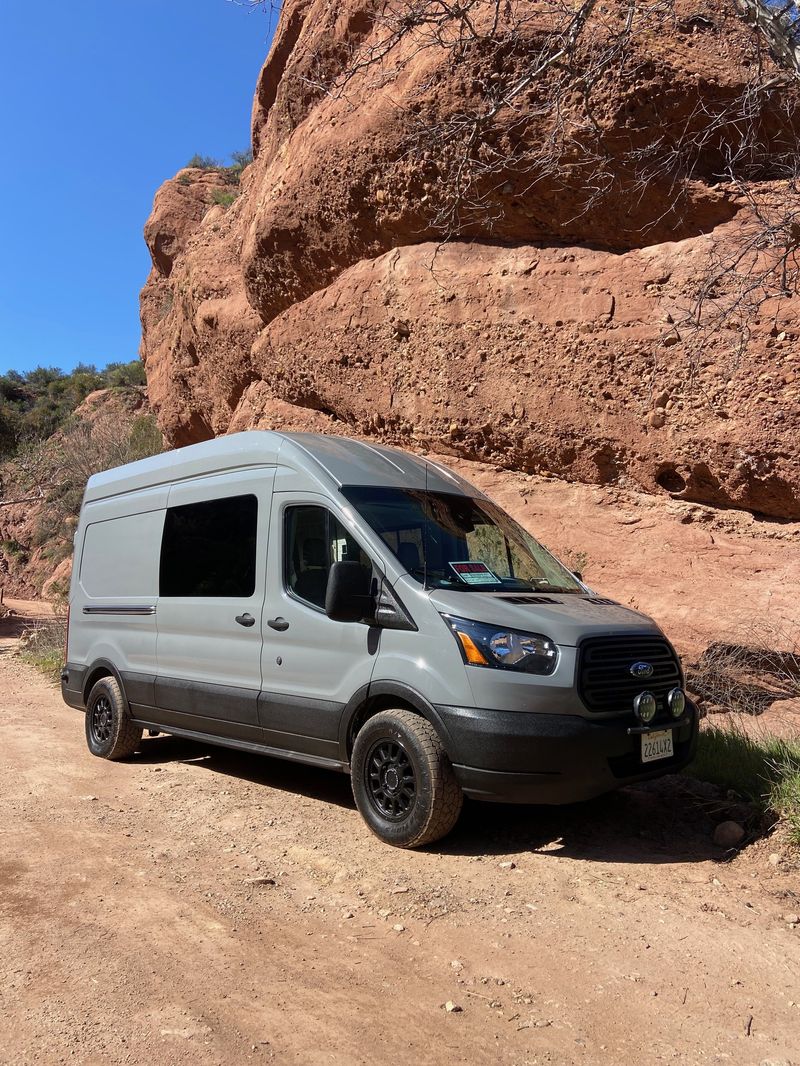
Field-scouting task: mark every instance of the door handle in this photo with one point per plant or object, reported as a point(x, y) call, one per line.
point(278, 623)
point(245, 620)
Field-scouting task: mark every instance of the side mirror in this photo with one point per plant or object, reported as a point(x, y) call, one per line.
point(348, 598)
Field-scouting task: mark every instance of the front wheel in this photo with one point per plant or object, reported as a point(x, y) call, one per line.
point(403, 782)
point(110, 733)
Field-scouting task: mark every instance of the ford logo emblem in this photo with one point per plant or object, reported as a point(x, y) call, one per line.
point(642, 670)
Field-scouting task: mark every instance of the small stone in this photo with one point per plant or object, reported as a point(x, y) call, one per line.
point(728, 834)
point(774, 859)
point(508, 866)
point(400, 890)
point(399, 928)
point(348, 914)
point(452, 1008)
point(792, 919)
point(657, 419)
point(457, 965)
point(260, 881)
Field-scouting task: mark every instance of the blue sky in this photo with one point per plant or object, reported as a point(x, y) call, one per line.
point(100, 101)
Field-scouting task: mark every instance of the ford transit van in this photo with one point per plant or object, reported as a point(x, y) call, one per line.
point(358, 608)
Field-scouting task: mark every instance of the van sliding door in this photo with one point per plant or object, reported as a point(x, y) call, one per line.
point(211, 597)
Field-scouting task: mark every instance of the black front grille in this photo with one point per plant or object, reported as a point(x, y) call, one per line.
point(605, 683)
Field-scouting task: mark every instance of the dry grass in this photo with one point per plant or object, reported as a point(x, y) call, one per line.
point(743, 676)
point(755, 667)
point(757, 765)
point(42, 645)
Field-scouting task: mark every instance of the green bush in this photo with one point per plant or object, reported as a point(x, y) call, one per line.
point(223, 197)
point(229, 172)
point(125, 375)
point(204, 162)
point(35, 404)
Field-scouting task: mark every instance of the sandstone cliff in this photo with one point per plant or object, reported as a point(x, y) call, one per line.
point(552, 330)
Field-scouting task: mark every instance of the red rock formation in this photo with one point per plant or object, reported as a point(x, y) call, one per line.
point(546, 338)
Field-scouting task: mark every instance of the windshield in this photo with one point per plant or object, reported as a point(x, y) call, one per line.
point(451, 541)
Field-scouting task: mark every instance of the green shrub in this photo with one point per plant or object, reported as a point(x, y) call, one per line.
point(223, 197)
point(204, 162)
point(230, 173)
point(13, 547)
point(125, 375)
point(35, 404)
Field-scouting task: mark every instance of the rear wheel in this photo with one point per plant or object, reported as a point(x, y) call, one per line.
point(403, 782)
point(110, 733)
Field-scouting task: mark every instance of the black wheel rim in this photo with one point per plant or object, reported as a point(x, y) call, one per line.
point(101, 720)
point(390, 780)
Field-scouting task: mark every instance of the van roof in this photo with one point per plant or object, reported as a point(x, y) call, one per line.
point(332, 459)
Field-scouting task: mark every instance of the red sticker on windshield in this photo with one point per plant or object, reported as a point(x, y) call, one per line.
point(475, 573)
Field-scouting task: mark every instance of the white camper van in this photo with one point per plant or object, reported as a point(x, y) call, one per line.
point(357, 608)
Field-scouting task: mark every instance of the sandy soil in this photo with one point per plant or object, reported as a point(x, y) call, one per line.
point(197, 905)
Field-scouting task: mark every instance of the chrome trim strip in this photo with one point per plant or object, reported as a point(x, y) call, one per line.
point(120, 609)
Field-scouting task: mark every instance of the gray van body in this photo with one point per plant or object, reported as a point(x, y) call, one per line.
point(297, 684)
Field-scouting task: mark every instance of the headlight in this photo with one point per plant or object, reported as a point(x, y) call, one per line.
point(505, 649)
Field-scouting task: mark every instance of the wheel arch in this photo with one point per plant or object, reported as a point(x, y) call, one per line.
point(381, 696)
point(101, 668)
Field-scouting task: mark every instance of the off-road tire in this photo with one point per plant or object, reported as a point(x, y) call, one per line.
point(389, 749)
point(110, 734)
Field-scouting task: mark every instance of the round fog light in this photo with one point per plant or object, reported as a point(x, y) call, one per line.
point(645, 706)
point(676, 701)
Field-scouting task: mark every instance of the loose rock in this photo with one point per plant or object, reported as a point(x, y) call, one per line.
point(729, 835)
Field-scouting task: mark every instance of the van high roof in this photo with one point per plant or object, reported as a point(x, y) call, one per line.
point(327, 458)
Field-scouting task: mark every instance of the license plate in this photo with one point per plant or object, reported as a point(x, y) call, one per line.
point(657, 745)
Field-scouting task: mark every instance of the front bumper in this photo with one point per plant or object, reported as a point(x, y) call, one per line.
point(514, 757)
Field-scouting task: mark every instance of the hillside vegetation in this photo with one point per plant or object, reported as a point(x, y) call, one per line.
point(36, 403)
point(56, 430)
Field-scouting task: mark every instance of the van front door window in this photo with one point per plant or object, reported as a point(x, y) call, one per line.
point(314, 539)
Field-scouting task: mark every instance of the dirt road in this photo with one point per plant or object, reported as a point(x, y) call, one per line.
point(197, 905)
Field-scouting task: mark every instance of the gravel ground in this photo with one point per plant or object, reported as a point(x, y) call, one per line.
point(205, 906)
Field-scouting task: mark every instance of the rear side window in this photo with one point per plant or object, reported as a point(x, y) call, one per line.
point(313, 540)
point(209, 548)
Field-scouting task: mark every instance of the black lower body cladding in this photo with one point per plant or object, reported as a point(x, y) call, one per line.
point(503, 756)
point(517, 757)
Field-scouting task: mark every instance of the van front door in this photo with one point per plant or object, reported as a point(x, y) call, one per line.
point(211, 596)
point(311, 665)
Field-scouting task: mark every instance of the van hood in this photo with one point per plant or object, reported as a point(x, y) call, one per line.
point(565, 619)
